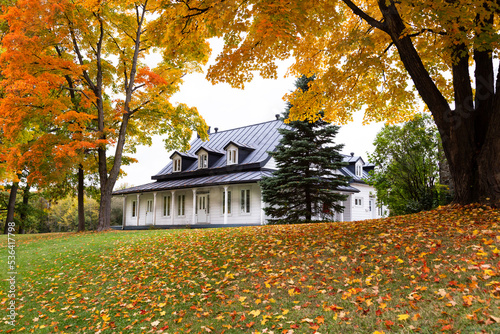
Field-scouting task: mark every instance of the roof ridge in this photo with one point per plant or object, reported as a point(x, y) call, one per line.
point(245, 126)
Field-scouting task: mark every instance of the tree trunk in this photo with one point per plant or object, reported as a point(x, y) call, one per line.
point(105, 210)
point(475, 168)
point(81, 204)
point(471, 132)
point(23, 215)
point(11, 206)
point(308, 206)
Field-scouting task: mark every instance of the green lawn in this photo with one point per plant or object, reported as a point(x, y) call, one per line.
point(430, 272)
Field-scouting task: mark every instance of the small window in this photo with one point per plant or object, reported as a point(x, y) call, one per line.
point(177, 165)
point(203, 161)
point(232, 156)
point(370, 205)
point(245, 201)
point(167, 203)
point(134, 208)
point(228, 202)
point(181, 205)
point(359, 170)
point(358, 201)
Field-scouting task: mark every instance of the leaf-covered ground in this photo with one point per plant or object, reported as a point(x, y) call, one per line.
point(437, 271)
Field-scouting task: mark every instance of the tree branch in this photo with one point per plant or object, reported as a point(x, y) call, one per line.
point(370, 20)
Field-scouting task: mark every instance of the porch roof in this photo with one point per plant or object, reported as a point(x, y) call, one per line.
point(205, 181)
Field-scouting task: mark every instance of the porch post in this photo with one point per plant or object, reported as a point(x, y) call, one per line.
point(138, 208)
point(172, 208)
point(124, 218)
point(341, 214)
point(194, 206)
point(226, 209)
point(154, 208)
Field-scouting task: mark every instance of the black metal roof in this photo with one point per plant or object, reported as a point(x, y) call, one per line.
point(212, 180)
point(258, 139)
point(261, 138)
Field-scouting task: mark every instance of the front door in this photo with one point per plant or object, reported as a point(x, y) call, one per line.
point(149, 212)
point(202, 208)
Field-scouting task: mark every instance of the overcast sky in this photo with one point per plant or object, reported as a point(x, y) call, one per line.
point(225, 108)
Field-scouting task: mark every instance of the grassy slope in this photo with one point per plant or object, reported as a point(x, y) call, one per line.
point(431, 272)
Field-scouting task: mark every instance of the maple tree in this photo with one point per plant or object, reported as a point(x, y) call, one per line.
point(378, 56)
point(97, 52)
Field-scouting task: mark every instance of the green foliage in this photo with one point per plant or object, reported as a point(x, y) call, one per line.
point(407, 174)
point(304, 185)
point(63, 216)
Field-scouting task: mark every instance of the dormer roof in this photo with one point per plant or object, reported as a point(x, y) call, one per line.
point(239, 145)
point(209, 150)
point(255, 140)
point(184, 155)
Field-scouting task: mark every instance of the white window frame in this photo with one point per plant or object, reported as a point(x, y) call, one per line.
point(177, 165)
point(167, 203)
point(181, 205)
point(358, 201)
point(359, 170)
point(232, 156)
point(245, 201)
point(223, 196)
point(203, 161)
point(134, 208)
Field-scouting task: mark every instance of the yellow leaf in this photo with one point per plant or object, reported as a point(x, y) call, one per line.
point(343, 258)
point(258, 301)
point(285, 312)
point(403, 316)
point(255, 313)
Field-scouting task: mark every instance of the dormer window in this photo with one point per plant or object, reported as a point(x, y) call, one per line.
point(203, 160)
point(177, 164)
point(232, 156)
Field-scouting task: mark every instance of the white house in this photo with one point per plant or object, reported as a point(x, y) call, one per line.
point(216, 183)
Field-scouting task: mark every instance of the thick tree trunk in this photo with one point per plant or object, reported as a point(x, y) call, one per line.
point(81, 204)
point(105, 211)
point(476, 174)
point(11, 206)
point(476, 167)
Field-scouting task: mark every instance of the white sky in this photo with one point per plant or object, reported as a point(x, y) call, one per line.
point(225, 108)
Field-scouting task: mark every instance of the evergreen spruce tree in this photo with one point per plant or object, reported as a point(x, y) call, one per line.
point(305, 184)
